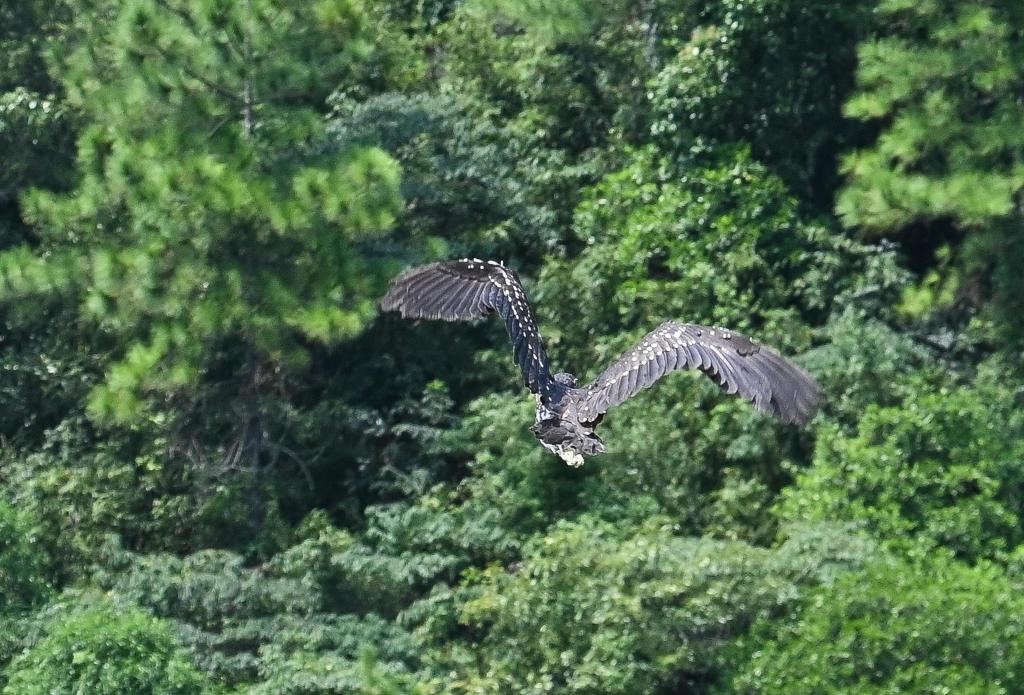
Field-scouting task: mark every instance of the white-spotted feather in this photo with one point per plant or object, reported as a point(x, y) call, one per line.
point(739, 365)
point(468, 289)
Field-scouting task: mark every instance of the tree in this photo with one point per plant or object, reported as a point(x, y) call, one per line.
point(595, 608)
point(929, 470)
point(927, 626)
point(946, 77)
point(37, 135)
point(23, 563)
point(103, 648)
point(36, 141)
point(213, 234)
point(274, 490)
point(771, 74)
point(944, 82)
point(25, 578)
point(302, 622)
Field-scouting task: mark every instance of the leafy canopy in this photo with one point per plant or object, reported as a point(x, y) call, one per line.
point(105, 648)
point(210, 207)
point(909, 627)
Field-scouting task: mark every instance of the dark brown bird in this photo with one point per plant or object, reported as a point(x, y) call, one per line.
point(467, 289)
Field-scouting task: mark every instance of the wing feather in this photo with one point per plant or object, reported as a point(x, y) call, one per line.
point(737, 364)
point(468, 289)
point(480, 294)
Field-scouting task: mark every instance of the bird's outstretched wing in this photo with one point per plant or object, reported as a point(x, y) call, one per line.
point(470, 288)
point(736, 363)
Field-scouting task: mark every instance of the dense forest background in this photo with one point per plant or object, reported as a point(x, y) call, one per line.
point(223, 471)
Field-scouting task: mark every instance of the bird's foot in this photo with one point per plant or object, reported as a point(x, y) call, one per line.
point(572, 458)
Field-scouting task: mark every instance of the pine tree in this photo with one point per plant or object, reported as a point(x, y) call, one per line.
point(948, 81)
point(945, 83)
point(214, 233)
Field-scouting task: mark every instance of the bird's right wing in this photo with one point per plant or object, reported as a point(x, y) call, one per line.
point(468, 289)
point(736, 363)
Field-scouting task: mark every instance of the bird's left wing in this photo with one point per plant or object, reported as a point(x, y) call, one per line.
point(736, 363)
point(468, 289)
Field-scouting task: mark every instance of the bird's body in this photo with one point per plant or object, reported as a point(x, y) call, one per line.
point(559, 428)
point(567, 415)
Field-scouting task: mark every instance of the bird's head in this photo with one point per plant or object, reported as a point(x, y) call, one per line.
point(566, 379)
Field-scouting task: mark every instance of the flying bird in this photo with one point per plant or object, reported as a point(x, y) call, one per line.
point(567, 415)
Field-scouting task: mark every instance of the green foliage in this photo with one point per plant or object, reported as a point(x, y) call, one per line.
point(865, 361)
point(717, 242)
point(105, 648)
point(278, 491)
point(595, 608)
point(512, 489)
point(198, 114)
point(947, 80)
point(554, 21)
point(289, 626)
point(910, 627)
point(568, 88)
point(26, 579)
point(942, 467)
point(24, 564)
point(79, 494)
point(463, 175)
point(770, 73)
point(36, 142)
point(944, 83)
